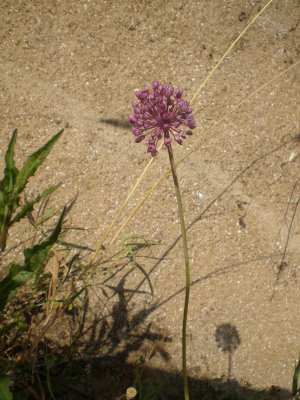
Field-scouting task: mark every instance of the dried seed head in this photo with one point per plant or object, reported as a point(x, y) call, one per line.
point(131, 393)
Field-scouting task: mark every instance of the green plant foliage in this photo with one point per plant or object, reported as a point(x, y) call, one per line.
point(45, 217)
point(33, 162)
point(5, 383)
point(146, 391)
point(295, 384)
point(35, 258)
point(133, 243)
point(15, 181)
point(49, 363)
point(10, 172)
point(17, 321)
point(28, 206)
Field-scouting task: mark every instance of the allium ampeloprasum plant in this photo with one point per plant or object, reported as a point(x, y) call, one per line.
point(160, 113)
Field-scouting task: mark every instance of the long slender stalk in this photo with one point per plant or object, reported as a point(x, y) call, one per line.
point(195, 146)
point(187, 271)
point(227, 51)
point(121, 208)
point(139, 180)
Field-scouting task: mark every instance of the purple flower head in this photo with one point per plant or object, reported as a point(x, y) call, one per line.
point(158, 113)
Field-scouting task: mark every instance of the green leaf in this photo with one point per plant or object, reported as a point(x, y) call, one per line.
point(28, 207)
point(7, 202)
point(15, 278)
point(36, 256)
point(35, 259)
point(295, 385)
point(45, 217)
point(49, 361)
point(5, 383)
point(20, 323)
point(2, 207)
point(10, 171)
point(33, 162)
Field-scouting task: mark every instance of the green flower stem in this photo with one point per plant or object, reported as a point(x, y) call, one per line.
point(187, 272)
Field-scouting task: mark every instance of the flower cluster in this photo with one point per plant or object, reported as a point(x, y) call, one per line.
point(159, 113)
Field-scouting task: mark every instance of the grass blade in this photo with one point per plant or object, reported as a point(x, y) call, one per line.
point(194, 147)
point(139, 180)
point(28, 206)
point(227, 51)
point(45, 217)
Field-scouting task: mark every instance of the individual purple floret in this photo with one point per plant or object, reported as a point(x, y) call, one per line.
point(159, 113)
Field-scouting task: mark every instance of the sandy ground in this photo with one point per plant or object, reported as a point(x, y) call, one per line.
point(75, 64)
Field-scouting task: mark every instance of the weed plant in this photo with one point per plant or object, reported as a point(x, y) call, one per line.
point(36, 293)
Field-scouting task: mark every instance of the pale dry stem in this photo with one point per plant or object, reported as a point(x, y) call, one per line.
point(141, 177)
point(196, 145)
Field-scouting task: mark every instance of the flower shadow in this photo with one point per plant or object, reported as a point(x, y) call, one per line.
point(228, 340)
